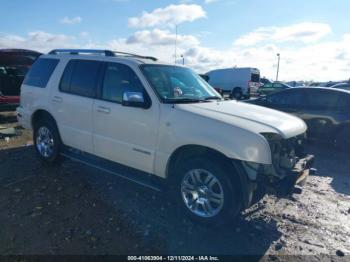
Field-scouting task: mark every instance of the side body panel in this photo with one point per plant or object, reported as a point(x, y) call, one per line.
point(72, 113)
point(127, 135)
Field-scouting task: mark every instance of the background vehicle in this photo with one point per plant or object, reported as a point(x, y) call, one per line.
point(264, 80)
point(236, 82)
point(326, 111)
point(345, 86)
point(271, 88)
point(205, 77)
point(14, 64)
point(296, 83)
point(331, 83)
point(99, 108)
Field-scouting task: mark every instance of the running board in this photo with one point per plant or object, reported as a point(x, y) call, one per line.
point(125, 172)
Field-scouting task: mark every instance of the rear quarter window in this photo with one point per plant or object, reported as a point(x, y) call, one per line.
point(40, 72)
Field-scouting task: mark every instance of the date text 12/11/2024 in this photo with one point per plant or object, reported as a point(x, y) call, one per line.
point(173, 258)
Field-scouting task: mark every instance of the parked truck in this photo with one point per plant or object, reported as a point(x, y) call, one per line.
point(236, 82)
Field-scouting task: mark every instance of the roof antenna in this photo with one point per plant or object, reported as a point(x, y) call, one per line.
point(175, 41)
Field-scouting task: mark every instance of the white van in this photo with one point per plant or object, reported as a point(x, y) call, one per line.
point(237, 82)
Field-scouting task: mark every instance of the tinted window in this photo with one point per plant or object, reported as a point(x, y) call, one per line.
point(119, 78)
point(80, 77)
point(295, 98)
point(322, 99)
point(344, 102)
point(41, 72)
point(268, 85)
point(278, 99)
point(67, 75)
point(277, 85)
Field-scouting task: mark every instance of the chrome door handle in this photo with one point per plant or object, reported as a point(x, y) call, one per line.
point(103, 109)
point(57, 99)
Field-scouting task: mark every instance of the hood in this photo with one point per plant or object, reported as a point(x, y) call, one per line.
point(254, 118)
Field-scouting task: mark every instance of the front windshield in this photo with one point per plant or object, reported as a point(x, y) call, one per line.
point(178, 84)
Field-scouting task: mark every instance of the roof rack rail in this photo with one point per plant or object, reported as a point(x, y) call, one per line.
point(82, 51)
point(134, 55)
point(97, 51)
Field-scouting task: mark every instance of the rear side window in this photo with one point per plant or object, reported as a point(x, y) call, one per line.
point(41, 72)
point(268, 85)
point(277, 85)
point(80, 77)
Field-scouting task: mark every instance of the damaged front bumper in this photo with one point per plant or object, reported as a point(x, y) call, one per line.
point(296, 178)
point(281, 186)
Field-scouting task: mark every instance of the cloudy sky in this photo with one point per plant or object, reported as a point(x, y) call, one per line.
point(312, 36)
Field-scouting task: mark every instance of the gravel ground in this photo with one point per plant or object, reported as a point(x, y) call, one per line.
point(73, 209)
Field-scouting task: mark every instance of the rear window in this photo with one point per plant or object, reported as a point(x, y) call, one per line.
point(80, 77)
point(255, 78)
point(40, 72)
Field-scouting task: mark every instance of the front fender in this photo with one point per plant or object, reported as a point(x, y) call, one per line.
point(233, 142)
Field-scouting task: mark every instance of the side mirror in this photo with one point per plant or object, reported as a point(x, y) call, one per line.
point(135, 99)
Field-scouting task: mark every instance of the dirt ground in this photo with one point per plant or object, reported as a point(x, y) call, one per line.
point(74, 209)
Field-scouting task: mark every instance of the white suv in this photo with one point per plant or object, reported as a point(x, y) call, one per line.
point(162, 126)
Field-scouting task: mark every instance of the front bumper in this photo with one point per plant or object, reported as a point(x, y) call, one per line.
point(292, 183)
point(296, 178)
point(23, 118)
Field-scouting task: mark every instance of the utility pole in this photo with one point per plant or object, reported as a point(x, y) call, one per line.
point(175, 41)
point(278, 66)
point(183, 59)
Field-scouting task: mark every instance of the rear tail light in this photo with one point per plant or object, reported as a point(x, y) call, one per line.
point(253, 84)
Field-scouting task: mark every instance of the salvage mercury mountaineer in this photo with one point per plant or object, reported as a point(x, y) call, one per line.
point(164, 127)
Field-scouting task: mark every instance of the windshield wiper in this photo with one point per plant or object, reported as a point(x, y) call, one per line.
point(184, 100)
point(213, 98)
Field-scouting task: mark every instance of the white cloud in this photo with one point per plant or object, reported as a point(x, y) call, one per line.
point(168, 16)
point(319, 61)
point(160, 37)
point(84, 34)
point(71, 21)
point(303, 32)
point(210, 1)
point(37, 40)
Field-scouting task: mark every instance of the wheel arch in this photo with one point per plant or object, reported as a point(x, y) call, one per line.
point(41, 114)
point(235, 166)
point(44, 114)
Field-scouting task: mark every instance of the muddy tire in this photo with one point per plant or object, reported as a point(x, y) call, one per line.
point(204, 192)
point(47, 142)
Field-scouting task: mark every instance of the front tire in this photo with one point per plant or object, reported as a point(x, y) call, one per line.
point(47, 141)
point(205, 193)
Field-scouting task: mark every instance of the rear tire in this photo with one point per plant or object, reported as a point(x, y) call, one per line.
point(236, 93)
point(204, 192)
point(47, 142)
